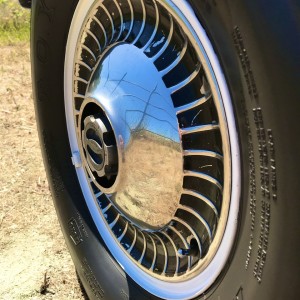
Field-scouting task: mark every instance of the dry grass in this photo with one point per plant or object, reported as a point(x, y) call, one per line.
point(31, 242)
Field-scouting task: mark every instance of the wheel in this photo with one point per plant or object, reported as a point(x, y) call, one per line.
point(165, 141)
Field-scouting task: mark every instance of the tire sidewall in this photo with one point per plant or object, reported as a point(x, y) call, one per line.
point(96, 267)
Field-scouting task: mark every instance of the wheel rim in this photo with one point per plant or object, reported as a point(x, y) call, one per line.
point(176, 102)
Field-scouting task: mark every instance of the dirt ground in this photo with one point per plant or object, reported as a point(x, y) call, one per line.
point(33, 256)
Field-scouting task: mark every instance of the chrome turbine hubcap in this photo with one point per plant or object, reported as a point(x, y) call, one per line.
point(156, 139)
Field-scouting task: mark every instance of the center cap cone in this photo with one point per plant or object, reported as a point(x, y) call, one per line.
point(139, 108)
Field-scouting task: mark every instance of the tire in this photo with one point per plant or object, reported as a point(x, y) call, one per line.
point(249, 63)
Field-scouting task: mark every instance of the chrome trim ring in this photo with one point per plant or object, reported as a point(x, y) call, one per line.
point(182, 258)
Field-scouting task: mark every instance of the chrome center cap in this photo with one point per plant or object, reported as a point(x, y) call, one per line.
point(100, 157)
point(131, 92)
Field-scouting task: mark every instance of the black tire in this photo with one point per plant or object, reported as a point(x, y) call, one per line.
point(258, 46)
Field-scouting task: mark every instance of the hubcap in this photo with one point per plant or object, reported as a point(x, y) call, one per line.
point(152, 130)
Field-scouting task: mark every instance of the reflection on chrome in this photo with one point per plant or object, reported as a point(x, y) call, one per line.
point(141, 112)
